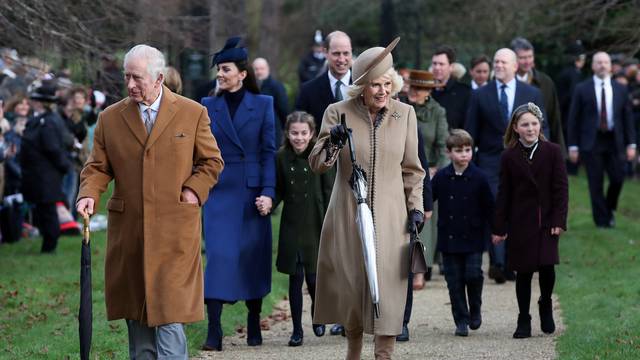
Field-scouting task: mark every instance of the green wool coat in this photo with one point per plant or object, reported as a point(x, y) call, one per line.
point(305, 196)
point(432, 121)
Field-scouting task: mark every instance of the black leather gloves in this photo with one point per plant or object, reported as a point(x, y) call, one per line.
point(339, 135)
point(416, 221)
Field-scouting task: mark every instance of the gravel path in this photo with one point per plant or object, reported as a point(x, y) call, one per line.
point(431, 330)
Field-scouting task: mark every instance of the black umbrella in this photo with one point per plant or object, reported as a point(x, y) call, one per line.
point(85, 315)
point(364, 222)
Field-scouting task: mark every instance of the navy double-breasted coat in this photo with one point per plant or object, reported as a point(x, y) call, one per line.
point(237, 237)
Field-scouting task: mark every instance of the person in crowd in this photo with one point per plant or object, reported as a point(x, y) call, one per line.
point(159, 149)
point(109, 79)
point(458, 71)
point(237, 228)
point(5, 148)
point(453, 96)
point(566, 82)
point(466, 205)
point(327, 88)
point(331, 86)
point(480, 71)
point(173, 80)
point(432, 133)
point(602, 135)
point(528, 73)
point(12, 170)
point(313, 63)
point(395, 183)
point(305, 197)
point(272, 87)
point(489, 112)
point(17, 106)
point(44, 156)
point(403, 94)
point(531, 212)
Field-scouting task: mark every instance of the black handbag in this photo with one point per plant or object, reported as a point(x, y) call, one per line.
point(418, 260)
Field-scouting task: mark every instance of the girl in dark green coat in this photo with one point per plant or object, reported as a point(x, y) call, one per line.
point(305, 196)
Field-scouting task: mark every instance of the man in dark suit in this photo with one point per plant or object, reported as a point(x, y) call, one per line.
point(454, 96)
point(601, 133)
point(489, 112)
point(272, 87)
point(331, 86)
point(528, 73)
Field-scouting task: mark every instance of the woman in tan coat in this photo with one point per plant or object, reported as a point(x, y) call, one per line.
point(386, 147)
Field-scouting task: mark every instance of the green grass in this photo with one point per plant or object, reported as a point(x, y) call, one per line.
point(39, 299)
point(597, 282)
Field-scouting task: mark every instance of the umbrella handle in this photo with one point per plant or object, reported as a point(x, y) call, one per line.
point(343, 121)
point(85, 230)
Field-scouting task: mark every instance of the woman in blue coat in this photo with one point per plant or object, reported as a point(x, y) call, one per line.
point(237, 230)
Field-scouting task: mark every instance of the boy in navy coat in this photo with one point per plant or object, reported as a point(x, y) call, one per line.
point(466, 206)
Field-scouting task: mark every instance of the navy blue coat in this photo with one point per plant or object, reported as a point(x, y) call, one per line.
point(487, 127)
point(584, 118)
point(237, 238)
point(465, 209)
point(315, 96)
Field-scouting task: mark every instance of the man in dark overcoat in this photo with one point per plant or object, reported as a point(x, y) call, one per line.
point(454, 96)
point(274, 88)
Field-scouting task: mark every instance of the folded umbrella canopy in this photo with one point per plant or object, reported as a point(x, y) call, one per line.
point(364, 221)
point(85, 315)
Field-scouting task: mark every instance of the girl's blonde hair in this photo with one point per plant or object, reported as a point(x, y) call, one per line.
point(511, 136)
point(298, 117)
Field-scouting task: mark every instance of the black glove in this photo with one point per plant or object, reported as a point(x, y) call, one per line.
point(416, 221)
point(339, 135)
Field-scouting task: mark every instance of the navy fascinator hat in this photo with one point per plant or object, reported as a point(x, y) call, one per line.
point(231, 52)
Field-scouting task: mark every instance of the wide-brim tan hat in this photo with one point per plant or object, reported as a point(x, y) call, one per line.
point(423, 79)
point(373, 63)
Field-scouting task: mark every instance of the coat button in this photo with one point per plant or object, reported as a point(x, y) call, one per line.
point(305, 195)
point(450, 236)
point(292, 181)
point(242, 157)
point(305, 169)
point(450, 217)
point(451, 197)
point(293, 169)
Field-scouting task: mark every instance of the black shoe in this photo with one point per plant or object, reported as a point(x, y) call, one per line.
point(428, 274)
point(498, 275)
point(474, 294)
point(295, 340)
point(462, 330)
point(524, 327)
point(404, 336)
point(475, 322)
point(206, 347)
point(319, 329)
point(545, 308)
point(337, 329)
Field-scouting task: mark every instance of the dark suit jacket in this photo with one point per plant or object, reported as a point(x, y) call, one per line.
point(315, 95)
point(584, 117)
point(486, 126)
point(551, 105)
point(454, 99)
point(275, 89)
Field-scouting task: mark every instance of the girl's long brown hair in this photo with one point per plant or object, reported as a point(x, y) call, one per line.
point(510, 135)
point(298, 117)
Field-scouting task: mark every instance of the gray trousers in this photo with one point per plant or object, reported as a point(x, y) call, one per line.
point(164, 342)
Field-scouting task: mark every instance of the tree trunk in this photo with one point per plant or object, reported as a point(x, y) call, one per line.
point(269, 40)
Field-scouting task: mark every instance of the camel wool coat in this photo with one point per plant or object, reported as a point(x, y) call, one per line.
point(389, 156)
point(153, 268)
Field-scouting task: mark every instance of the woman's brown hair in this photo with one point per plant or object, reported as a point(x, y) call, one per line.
point(510, 135)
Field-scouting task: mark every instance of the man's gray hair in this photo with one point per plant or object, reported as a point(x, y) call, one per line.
point(521, 43)
point(153, 57)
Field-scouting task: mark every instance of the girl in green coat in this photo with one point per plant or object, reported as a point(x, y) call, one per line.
point(305, 196)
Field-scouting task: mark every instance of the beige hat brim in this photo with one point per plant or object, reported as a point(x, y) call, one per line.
point(377, 66)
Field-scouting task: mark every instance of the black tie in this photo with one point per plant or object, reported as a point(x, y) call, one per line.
point(604, 126)
point(504, 103)
point(338, 92)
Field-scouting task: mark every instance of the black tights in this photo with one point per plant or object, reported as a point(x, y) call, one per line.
point(295, 295)
point(546, 278)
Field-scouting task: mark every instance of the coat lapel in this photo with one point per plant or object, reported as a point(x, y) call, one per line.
point(166, 113)
point(223, 119)
point(131, 115)
point(245, 111)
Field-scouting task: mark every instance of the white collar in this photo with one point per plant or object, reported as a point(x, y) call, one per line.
point(598, 81)
point(344, 79)
point(155, 106)
point(511, 84)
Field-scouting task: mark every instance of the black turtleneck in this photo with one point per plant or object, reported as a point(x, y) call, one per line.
point(233, 100)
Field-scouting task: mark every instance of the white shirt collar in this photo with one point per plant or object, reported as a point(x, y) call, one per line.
point(523, 78)
point(154, 107)
point(510, 85)
point(598, 81)
point(344, 79)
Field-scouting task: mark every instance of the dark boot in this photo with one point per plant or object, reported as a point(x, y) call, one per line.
point(545, 308)
point(461, 329)
point(524, 327)
point(254, 334)
point(474, 293)
point(214, 328)
point(404, 336)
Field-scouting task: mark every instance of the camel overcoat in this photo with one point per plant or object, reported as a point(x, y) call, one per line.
point(389, 156)
point(153, 268)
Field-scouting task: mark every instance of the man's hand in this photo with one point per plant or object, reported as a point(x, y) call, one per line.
point(631, 153)
point(556, 231)
point(188, 196)
point(573, 156)
point(497, 239)
point(85, 206)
